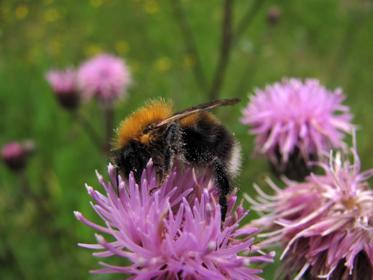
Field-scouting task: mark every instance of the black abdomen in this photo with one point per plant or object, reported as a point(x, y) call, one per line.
point(206, 140)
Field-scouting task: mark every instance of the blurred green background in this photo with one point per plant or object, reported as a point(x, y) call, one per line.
point(331, 40)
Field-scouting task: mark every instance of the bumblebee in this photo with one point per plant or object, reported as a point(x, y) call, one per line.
point(193, 136)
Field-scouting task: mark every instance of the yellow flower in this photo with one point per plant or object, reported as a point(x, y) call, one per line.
point(21, 11)
point(151, 7)
point(122, 47)
point(51, 15)
point(163, 64)
point(96, 3)
point(188, 61)
point(92, 50)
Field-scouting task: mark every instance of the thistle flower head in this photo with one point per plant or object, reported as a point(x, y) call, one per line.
point(170, 231)
point(105, 77)
point(15, 154)
point(274, 14)
point(64, 85)
point(326, 223)
point(295, 120)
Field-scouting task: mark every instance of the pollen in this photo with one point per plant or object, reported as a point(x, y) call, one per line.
point(350, 203)
point(132, 127)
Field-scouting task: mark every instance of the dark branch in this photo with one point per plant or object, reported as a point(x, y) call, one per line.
point(240, 30)
point(225, 49)
point(247, 19)
point(9, 260)
point(190, 43)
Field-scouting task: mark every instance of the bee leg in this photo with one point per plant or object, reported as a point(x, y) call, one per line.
point(158, 164)
point(222, 180)
point(172, 142)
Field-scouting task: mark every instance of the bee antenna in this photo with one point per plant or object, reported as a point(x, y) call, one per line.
point(117, 178)
point(231, 101)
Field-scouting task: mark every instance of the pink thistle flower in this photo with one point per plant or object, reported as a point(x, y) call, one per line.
point(295, 122)
point(15, 154)
point(63, 83)
point(171, 231)
point(325, 223)
point(105, 77)
point(274, 14)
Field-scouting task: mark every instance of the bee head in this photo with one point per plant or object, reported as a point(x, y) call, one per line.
point(150, 134)
point(131, 158)
point(149, 128)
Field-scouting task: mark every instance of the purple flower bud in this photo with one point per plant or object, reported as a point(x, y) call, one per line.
point(63, 83)
point(274, 15)
point(15, 154)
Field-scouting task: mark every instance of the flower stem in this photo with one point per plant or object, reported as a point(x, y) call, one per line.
point(89, 129)
point(29, 194)
point(109, 127)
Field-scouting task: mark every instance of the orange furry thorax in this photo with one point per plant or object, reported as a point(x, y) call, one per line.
point(133, 126)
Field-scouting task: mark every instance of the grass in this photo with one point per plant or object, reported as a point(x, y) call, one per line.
point(329, 40)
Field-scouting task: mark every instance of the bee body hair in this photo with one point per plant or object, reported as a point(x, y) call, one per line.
point(132, 127)
point(197, 139)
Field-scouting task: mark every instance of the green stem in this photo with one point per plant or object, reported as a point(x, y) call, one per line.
point(109, 119)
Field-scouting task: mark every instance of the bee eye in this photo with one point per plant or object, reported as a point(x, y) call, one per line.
point(148, 128)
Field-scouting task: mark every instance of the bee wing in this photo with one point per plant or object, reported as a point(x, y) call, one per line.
point(199, 108)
